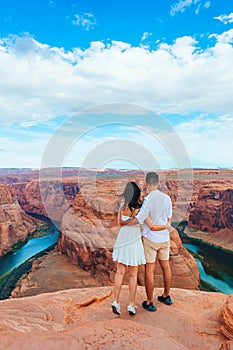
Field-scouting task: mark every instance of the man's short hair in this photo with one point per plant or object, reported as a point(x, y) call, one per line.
point(152, 178)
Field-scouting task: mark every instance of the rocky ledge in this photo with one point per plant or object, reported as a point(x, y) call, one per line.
point(82, 319)
point(15, 224)
point(53, 272)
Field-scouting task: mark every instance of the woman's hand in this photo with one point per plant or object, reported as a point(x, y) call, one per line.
point(125, 222)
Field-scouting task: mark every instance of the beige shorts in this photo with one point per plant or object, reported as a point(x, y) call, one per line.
point(154, 249)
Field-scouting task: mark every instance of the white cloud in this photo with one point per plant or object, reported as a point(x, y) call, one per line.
point(146, 35)
point(41, 82)
point(197, 9)
point(208, 140)
point(225, 37)
point(207, 4)
point(29, 123)
point(87, 21)
point(145, 40)
point(136, 145)
point(27, 152)
point(182, 5)
point(225, 18)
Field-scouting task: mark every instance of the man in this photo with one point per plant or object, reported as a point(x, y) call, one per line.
point(156, 244)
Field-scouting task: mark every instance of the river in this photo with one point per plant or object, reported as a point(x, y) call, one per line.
point(34, 246)
point(215, 266)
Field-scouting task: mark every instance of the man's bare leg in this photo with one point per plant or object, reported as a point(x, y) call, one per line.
point(167, 276)
point(149, 281)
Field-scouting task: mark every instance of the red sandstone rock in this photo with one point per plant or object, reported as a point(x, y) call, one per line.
point(227, 318)
point(213, 210)
point(62, 275)
point(222, 238)
point(15, 224)
point(82, 319)
point(87, 238)
point(182, 186)
point(45, 197)
point(89, 228)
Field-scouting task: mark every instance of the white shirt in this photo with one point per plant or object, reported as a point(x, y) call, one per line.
point(158, 206)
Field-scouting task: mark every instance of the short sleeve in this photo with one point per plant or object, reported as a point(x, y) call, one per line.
point(144, 211)
point(169, 209)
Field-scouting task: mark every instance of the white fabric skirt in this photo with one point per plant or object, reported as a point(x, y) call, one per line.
point(128, 248)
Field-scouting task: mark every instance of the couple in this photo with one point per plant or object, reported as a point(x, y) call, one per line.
point(133, 250)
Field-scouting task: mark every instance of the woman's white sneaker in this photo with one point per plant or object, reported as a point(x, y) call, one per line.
point(131, 309)
point(116, 309)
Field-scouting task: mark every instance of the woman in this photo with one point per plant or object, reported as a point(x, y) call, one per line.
point(128, 249)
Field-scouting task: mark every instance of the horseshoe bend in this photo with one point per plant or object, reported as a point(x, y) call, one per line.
point(80, 317)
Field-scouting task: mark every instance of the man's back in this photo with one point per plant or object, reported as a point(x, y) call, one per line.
point(158, 206)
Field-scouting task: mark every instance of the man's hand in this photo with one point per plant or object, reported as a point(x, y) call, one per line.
point(169, 227)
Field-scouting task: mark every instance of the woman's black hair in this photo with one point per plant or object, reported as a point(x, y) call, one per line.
point(131, 196)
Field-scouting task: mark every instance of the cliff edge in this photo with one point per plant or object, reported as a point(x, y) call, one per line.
point(82, 319)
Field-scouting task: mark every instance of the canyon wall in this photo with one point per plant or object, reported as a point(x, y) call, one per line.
point(211, 217)
point(88, 233)
point(46, 197)
point(57, 197)
point(213, 209)
point(184, 192)
point(15, 224)
point(89, 219)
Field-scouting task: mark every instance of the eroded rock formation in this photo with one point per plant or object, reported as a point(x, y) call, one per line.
point(15, 224)
point(62, 275)
point(49, 198)
point(183, 187)
point(88, 227)
point(227, 318)
point(88, 233)
point(213, 210)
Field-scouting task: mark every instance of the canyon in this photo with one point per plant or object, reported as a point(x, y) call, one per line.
point(85, 203)
point(65, 299)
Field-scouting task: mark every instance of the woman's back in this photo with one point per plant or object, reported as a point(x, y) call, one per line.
point(126, 212)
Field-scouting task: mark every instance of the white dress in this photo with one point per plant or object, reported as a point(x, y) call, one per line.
point(128, 248)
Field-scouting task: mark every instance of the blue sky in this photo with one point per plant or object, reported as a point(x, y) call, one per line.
point(171, 57)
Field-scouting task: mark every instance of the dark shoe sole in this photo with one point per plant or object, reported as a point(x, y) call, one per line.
point(131, 313)
point(114, 310)
point(166, 301)
point(151, 307)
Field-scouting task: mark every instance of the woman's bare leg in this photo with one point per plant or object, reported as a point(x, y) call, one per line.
point(119, 276)
point(133, 279)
